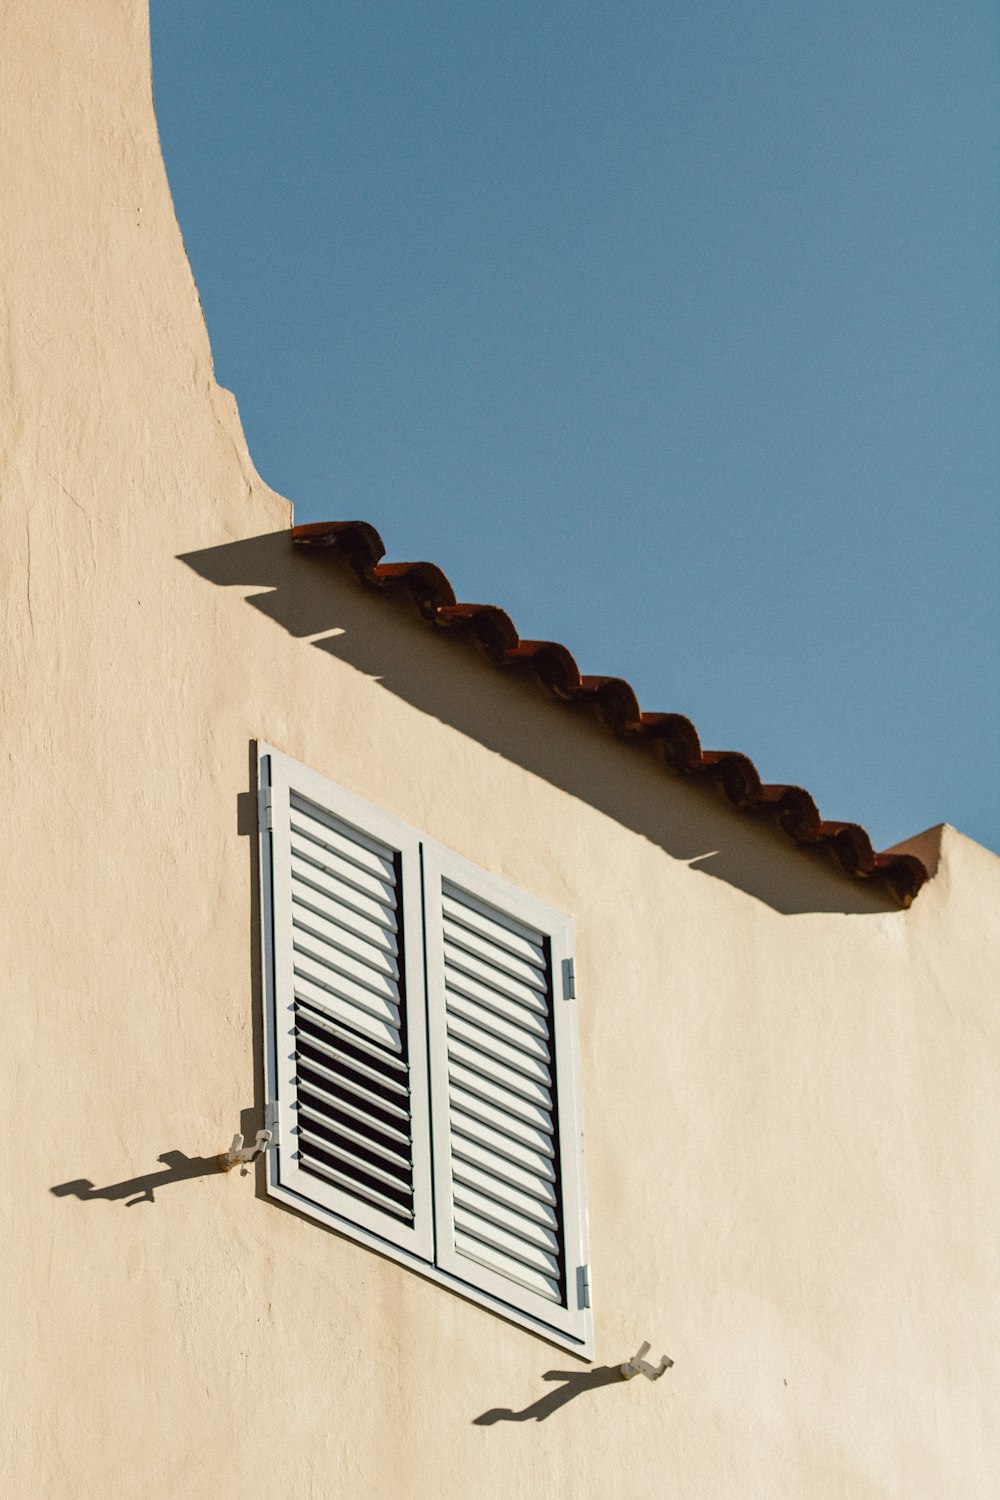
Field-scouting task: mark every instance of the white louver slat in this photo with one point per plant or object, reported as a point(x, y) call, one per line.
point(507, 1209)
point(347, 1055)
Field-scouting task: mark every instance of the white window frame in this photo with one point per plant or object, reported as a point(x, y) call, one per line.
point(286, 776)
point(441, 864)
point(427, 1247)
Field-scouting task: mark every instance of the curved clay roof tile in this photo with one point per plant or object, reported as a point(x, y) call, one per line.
point(613, 699)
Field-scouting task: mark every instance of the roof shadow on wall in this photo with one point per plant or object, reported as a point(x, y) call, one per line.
point(312, 595)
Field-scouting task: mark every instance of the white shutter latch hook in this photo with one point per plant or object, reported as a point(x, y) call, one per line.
point(637, 1365)
point(241, 1156)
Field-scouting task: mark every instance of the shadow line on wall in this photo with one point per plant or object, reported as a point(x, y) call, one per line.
point(177, 1168)
point(318, 601)
point(574, 1383)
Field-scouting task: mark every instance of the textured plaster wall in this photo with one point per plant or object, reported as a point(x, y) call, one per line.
point(789, 1085)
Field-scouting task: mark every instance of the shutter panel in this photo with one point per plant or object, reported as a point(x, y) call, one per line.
point(346, 1017)
point(506, 1122)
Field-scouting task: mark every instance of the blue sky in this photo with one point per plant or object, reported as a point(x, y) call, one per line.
point(672, 328)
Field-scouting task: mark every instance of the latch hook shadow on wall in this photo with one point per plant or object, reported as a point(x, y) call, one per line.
point(637, 1365)
point(241, 1156)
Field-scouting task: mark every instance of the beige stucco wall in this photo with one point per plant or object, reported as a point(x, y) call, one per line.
point(790, 1086)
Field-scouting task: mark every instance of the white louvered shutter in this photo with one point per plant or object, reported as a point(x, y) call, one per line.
point(347, 1061)
point(508, 1170)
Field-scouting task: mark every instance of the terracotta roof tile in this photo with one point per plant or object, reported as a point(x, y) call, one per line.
point(672, 735)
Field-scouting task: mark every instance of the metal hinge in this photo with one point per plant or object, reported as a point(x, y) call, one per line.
point(583, 1285)
point(264, 812)
point(271, 1123)
point(569, 979)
